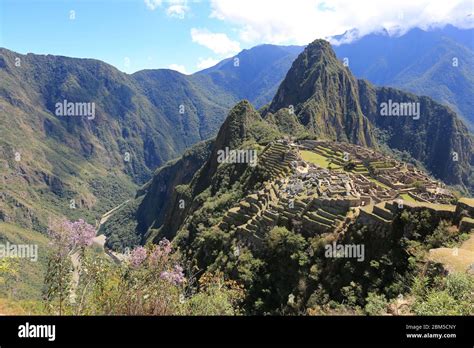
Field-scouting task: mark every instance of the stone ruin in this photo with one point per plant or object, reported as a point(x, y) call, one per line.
point(313, 200)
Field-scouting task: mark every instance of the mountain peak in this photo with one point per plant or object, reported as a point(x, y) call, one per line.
point(235, 128)
point(300, 82)
point(320, 44)
point(322, 93)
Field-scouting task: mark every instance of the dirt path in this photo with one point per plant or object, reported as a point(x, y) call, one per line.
point(106, 216)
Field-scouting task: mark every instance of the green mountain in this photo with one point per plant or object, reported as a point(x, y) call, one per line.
point(90, 163)
point(438, 138)
point(272, 226)
point(323, 96)
point(141, 121)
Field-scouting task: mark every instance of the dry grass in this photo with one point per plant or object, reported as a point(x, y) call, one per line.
point(455, 259)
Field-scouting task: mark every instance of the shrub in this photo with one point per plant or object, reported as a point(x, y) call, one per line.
point(149, 281)
point(451, 296)
point(441, 235)
point(375, 304)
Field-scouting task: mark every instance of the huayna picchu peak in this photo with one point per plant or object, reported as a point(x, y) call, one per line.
point(324, 96)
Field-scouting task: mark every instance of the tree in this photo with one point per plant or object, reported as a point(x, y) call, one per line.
point(441, 235)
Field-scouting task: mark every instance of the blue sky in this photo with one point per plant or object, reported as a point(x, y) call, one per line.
point(190, 35)
point(127, 31)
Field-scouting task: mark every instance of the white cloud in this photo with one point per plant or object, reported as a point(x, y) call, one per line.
point(204, 63)
point(177, 8)
point(302, 21)
point(174, 8)
point(178, 67)
point(153, 4)
point(177, 11)
point(219, 43)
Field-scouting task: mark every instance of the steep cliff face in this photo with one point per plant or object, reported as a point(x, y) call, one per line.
point(243, 123)
point(159, 195)
point(156, 203)
point(433, 134)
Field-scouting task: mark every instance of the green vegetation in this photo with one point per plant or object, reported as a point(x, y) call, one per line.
point(452, 295)
point(375, 304)
point(98, 163)
point(24, 280)
point(318, 159)
point(150, 281)
point(284, 270)
point(407, 198)
point(217, 267)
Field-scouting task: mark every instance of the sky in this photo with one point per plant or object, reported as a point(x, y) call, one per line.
point(191, 35)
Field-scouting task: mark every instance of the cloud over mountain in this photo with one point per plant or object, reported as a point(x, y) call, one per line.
point(279, 22)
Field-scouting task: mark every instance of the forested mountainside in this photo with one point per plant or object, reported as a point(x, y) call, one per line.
point(268, 202)
point(320, 99)
point(147, 118)
point(140, 121)
point(267, 226)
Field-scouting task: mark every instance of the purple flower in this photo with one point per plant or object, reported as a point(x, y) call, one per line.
point(175, 276)
point(160, 252)
point(82, 234)
point(165, 246)
point(155, 255)
point(68, 235)
point(137, 256)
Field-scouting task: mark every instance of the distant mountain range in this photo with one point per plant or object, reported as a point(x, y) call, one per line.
point(253, 74)
point(436, 63)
